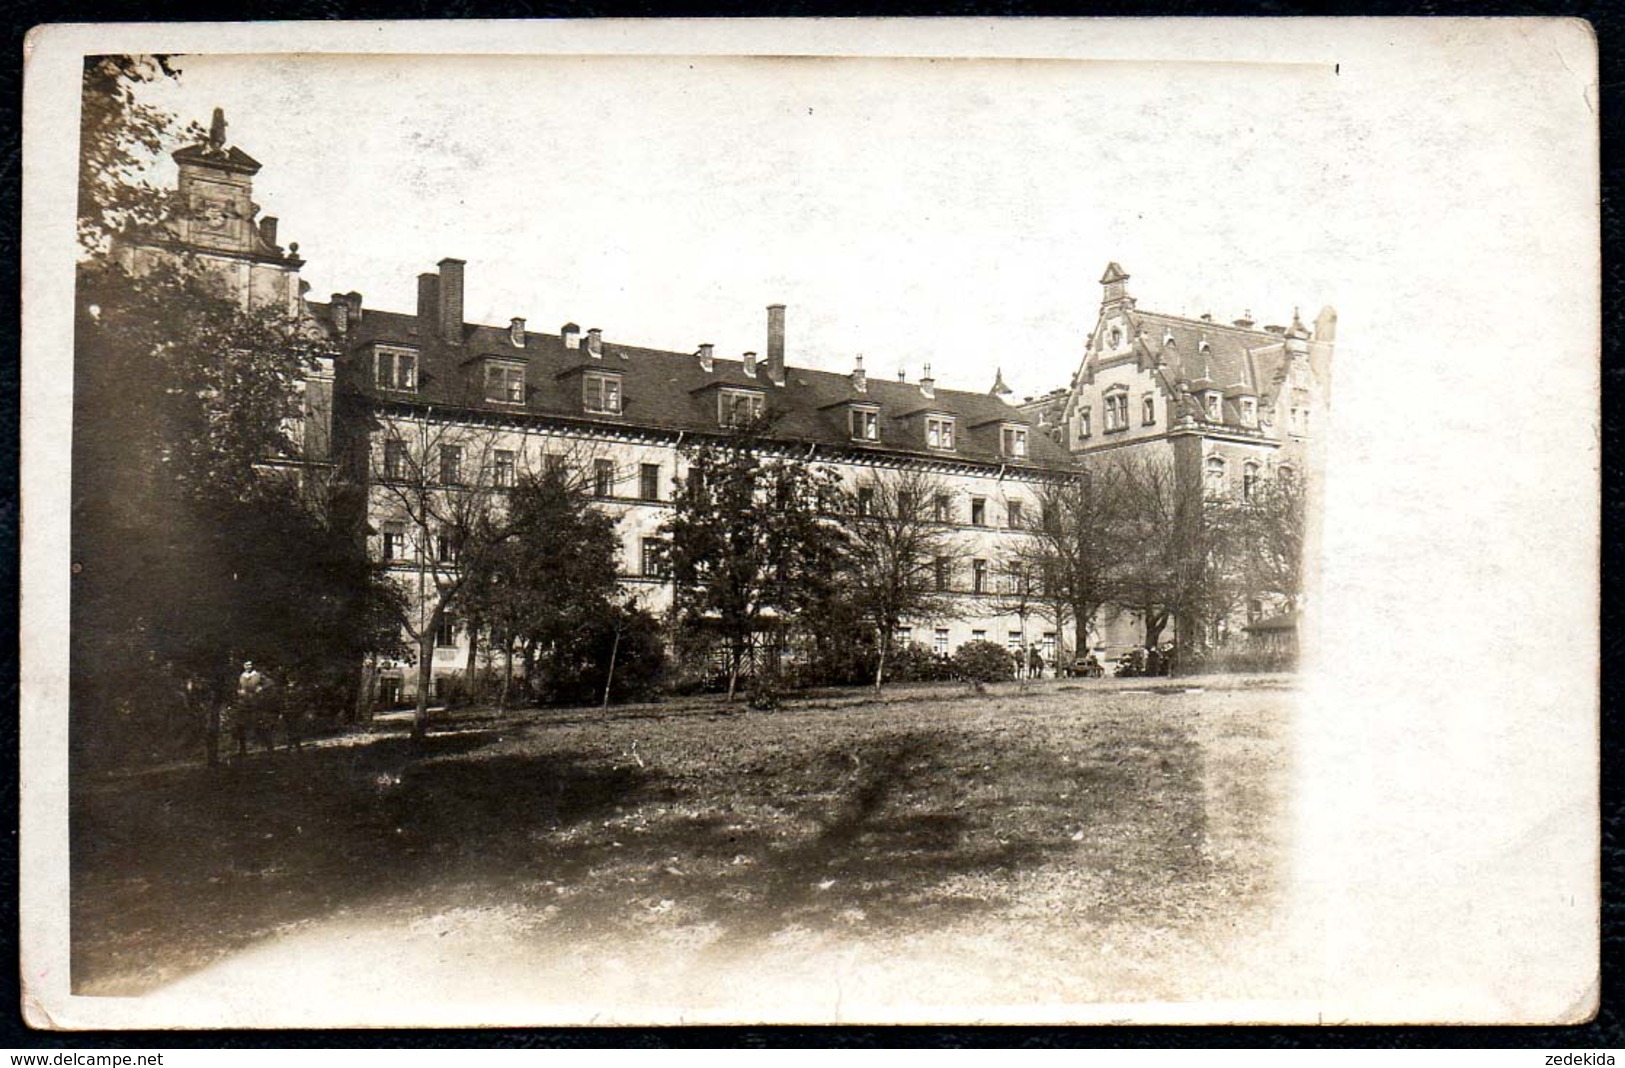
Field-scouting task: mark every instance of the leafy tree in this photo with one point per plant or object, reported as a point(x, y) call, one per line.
point(896, 547)
point(550, 587)
point(982, 661)
point(119, 137)
point(190, 551)
point(749, 542)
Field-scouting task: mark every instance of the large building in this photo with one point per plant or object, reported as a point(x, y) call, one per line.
point(420, 401)
point(1227, 405)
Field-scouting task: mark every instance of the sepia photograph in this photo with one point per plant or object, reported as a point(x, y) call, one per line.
point(654, 523)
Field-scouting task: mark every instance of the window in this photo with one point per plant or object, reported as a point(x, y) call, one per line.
point(1249, 480)
point(939, 432)
point(866, 500)
point(905, 637)
point(1014, 509)
point(978, 576)
point(978, 635)
point(1286, 473)
point(1300, 421)
point(446, 633)
point(1117, 411)
point(1215, 474)
point(1083, 422)
point(1255, 611)
point(1148, 410)
point(942, 572)
point(394, 541)
point(394, 458)
point(445, 548)
point(654, 558)
point(939, 641)
point(1215, 406)
point(601, 393)
point(649, 481)
point(1015, 441)
point(502, 468)
point(865, 424)
point(603, 478)
point(1249, 411)
point(505, 383)
point(397, 369)
point(739, 407)
point(978, 511)
point(1046, 645)
point(1012, 641)
point(451, 465)
point(943, 508)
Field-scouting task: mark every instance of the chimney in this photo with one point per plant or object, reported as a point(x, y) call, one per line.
point(451, 300)
point(571, 333)
point(516, 332)
point(1246, 320)
point(428, 302)
point(928, 385)
point(1207, 317)
point(706, 357)
point(750, 364)
point(353, 299)
point(340, 310)
point(860, 377)
point(902, 374)
point(268, 231)
point(595, 343)
point(775, 343)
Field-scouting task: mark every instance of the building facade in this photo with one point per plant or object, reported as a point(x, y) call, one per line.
point(1227, 405)
point(421, 401)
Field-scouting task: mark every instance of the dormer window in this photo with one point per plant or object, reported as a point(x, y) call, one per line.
point(1013, 441)
point(939, 431)
point(397, 369)
point(865, 423)
point(739, 407)
point(1249, 411)
point(1214, 401)
point(504, 382)
point(601, 393)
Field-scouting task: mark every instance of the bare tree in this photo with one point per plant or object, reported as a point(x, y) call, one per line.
point(439, 488)
point(1077, 545)
point(899, 555)
point(1174, 562)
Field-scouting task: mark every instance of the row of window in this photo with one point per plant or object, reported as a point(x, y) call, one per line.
point(604, 477)
point(1116, 413)
point(1014, 641)
point(1251, 474)
point(445, 636)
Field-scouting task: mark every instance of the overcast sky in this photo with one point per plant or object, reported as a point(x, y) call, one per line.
point(953, 212)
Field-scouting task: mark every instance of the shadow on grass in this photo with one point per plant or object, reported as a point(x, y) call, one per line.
point(170, 874)
point(756, 827)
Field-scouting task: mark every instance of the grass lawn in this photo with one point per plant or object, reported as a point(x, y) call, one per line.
point(844, 857)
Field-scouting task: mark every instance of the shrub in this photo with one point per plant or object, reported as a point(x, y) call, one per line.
point(983, 661)
point(915, 663)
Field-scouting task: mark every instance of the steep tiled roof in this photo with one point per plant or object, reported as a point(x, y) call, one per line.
point(671, 391)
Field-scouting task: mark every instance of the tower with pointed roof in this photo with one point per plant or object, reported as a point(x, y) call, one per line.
point(1230, 405)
